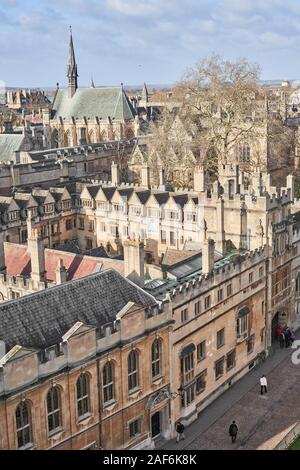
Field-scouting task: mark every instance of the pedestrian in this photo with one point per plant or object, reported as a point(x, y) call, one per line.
point(282, 339)
point(233, 430)
point(180, 431)
point(263, 385)
point(287, 337)
point(292, 335)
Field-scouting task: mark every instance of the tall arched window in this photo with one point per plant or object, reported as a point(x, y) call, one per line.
point(108, 382)
point(156, 358)
point(54, 409)
point(23, 424)
point(83, 395)
point(133, 375)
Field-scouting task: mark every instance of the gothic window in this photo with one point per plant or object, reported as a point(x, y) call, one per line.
point(92, 139)
point(133, 376)
point(103, 135)
point(54, 138)
point(23, 424)
point(54, 409)
point(108, 382)
point(243, 153)
point(156, 358)
point(83, 395)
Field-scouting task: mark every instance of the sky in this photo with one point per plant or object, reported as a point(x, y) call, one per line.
point(133, 41)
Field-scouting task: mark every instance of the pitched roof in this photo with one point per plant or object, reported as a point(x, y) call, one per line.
point(40, 320)
point(18, 262)
point(9, 144)
point(93, 102)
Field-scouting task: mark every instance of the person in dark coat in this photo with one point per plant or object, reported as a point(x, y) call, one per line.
point(180, 431)
point(287, 337)
point(233, 430)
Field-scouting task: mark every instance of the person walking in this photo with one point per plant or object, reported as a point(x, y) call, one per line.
point(180, 431)
point(281, 339)
point(263, 385)
point(287, 337)
point(233, 430)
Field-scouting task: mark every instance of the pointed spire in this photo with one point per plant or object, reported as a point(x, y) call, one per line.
point(72, 68)
point(145, 93)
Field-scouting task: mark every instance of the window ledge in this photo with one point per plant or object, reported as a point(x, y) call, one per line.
point(84, 419)
point(28, 446)
point(135, 392)
point(56, 434)
point(109, 405)
point(157, 380)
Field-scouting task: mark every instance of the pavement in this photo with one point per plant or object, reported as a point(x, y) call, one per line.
point(262, 420)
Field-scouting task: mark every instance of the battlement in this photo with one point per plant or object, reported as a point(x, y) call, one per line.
point(205, 282)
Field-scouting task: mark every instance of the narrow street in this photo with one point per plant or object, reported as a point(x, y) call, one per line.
point(262, 420)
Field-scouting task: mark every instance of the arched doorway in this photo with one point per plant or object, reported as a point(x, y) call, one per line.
point(155, 425)
point(275, 324)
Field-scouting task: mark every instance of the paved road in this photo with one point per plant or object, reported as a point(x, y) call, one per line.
point(261, 419)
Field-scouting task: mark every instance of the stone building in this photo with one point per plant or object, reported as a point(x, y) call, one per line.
point(48, 167)
point(29, 100)
point(88, 379)
point(88, 115)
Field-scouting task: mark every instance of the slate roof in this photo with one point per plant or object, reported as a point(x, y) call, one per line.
point(92, 103)
point(143, 195)
point(9, 144)
point(40, 320)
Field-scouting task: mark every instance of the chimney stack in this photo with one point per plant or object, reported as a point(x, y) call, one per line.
point(37, 254)
point(134, 261)
point(145, 176)
point(208, 256)
point(115, 174)
point(2, 252)
point(60, 272)
point(199, 179)
point(220, 234)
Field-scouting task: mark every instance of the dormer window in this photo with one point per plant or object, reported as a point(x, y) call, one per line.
point(13, 215)
point(49, 208)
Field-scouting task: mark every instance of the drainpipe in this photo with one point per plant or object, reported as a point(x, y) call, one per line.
point(99, 403)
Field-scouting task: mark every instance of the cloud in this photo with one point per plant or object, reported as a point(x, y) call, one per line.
point(137, 40)
point(136, 7)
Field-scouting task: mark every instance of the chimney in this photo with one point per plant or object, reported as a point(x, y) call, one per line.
point(199, 179)
point(2, 252)
point(134, 261)
point(290, 184)
point(145, 176)
point(37, 254)
point(115, 174)
point(220, 233)
point(60, 272)
point(208, 256)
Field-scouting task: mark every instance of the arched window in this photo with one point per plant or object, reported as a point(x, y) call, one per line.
point(23, 424)
point(156, 358)
point(83, 395)
point(54, 138)
point(133, 375)
point(54, 409)
point(108, 382)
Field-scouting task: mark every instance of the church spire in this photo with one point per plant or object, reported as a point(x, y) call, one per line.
point(72, 68)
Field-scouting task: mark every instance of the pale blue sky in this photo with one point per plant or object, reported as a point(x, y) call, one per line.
point(132, 41)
